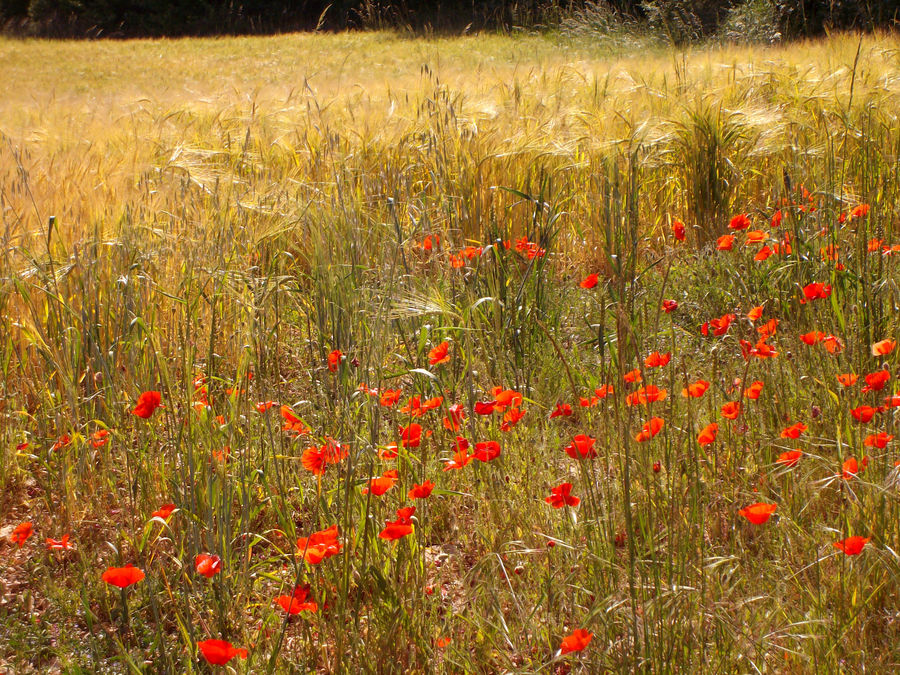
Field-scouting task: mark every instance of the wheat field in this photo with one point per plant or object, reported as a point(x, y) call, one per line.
point(618, 320)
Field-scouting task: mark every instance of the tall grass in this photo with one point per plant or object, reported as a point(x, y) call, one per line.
point(160, 227)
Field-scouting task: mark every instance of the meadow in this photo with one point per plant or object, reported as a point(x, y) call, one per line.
point(501, 353)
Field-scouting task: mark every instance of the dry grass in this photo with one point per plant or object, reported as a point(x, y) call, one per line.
point(240, 206)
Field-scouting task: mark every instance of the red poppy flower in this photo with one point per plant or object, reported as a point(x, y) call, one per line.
point(208, 565)
point(334, 360)
point(460, 458)
point(768, 329)
point(764, 254)
point(604, 391)
point(582, 447)
point(511, 418)
point(561, 496)
point(578, 640)
point(378, 486)
point(505, 398)
point(892, 401)
point(59, 544)
point(219, 652)
point(708, 434)
point(775, 223)
point(725, 242)
point(649, 394)
point(396, 529)
point(100, 438)
point(292, 423)
point(21, 533)
point(439, 354)
point(719, 326)
point(695, 389)
point(657, 360)
point(832, 344)
point(816, 291)
point(122, 577)
point(850, 468)
point(485, 407)
point(633, 376)
point(852, 545)
point(859, 211)
point(758, 513)
point(876, 381)
point(754, 390)
point(650, 429)
point(883, 347)
point(297, 601)
point(755, 314)
point(411, 436)
point(389, 397)
point(163, 511)
point(789, 458)
point(320, 545)
point(485, 452)
point(879, 440)
point(562, 410)
point(422, 491)
point(669, 306)
point(589, 281)
point(864, 413)
point(739, 222)
point(812, 337)
point(313, 460)
point(847, 379)
point(755, 237)
point(794, 430)
point(146, 404)
point(264, 406)
point(457, 415)
point(731, 410)
point(678, 230)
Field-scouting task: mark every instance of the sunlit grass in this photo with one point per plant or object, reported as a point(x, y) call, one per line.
point(235, 210)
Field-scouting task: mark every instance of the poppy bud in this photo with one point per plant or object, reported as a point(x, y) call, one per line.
point(354, 362)
point(815, 411)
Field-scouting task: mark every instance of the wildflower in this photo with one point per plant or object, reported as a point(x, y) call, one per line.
point(860, 211)
point(758, 513)
point(122, 577)
point(883, 347)
point(816, 291)
point(511, 418)
point(457, 414)
point(604, 391)
point(63, 544)
point(789, 458)
point(848, 379)
point(561, 496)
point(422, 491)
point(389, 397)
point(879, 440)
point(562, 410)
point(220, 652)
point(775, 223)
point(864, 413)
point(581, 447)
point(794, 430)
point(313, 460)
point(657, 360)
point(100, 438)
point(578, 640)
point(163, 511)
point(813, 337)
point(485, 452)
point(439, 354)
point(411, 436)
point(708, 434)
point(297, 601)
point(589, 281)
point(850, 468)
point(146, 404)
point(695, 389)
point(320, 545)
point(739, 222)
point(263, 406)
point(396, 529)
point(852, 545)
point(725, 242)
point(650, 429)
point(379, 486)
point(755, 314)
point(208, 565)
point(731, 410)
point(292, 423)
point(649, 394)
point(20, 535)
point(753, 391)
point(678, 230)
point(719, 326)
point(669, 306)
point(876, 381)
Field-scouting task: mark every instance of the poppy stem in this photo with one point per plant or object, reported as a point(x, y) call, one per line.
point(125, 622)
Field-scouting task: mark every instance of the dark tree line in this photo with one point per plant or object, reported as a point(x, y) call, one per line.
point(126, 18)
